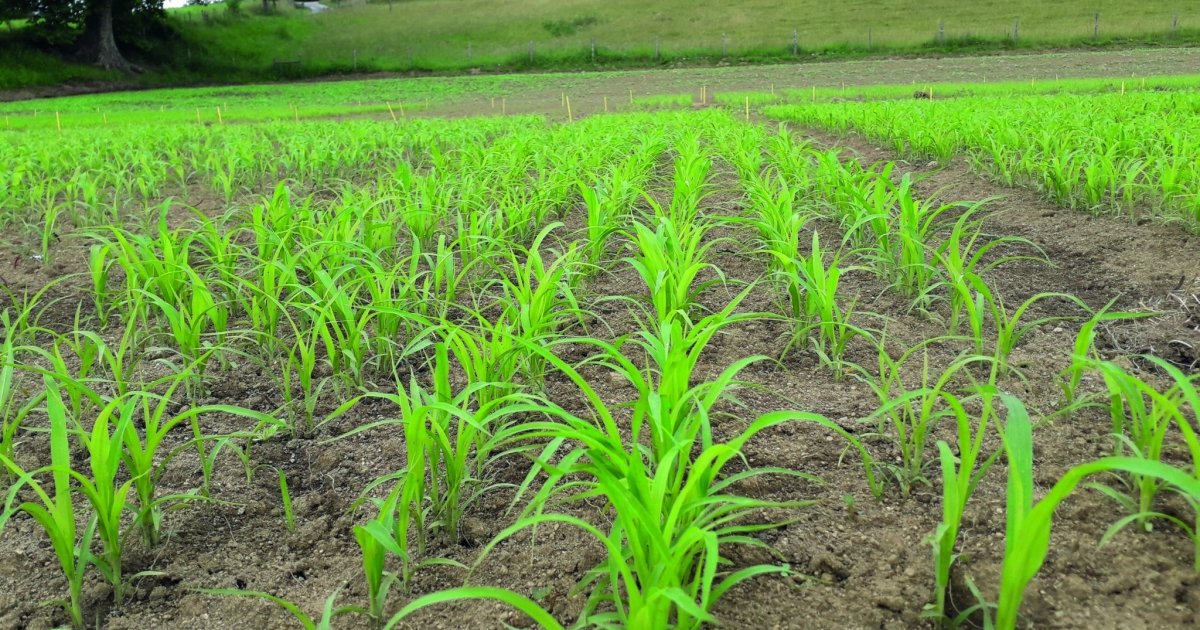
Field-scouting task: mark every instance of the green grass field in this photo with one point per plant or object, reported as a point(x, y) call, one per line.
point(445, 35)
point(456, 36)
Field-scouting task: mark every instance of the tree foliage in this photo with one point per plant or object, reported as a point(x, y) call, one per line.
point(62, 22)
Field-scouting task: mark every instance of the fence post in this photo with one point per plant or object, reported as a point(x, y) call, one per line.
point(1175, 24)
point(656, 46)
point(1016, 30)
point(593, 49)
point(941, 32)
point(531, 51)
point(1096, 29)
point(868, 38)
point(723, 47)
point(795, 43)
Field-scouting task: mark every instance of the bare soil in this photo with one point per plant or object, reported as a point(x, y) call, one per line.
point(865, 567)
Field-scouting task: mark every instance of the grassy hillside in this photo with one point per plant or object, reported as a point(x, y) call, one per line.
point(494, 35)
point(437, 34)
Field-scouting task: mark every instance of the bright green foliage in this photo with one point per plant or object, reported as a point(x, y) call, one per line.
point(1082, 151)
point(671, 508)
point(815, 306)
point(670, 259)
point(56, 514)
point(328, 613)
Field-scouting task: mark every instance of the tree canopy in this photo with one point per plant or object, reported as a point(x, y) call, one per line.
point(93, 27)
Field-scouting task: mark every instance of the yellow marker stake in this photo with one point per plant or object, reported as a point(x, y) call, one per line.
point(562, 99)
point(567, 100)
point(605, 104)
point(1122, 94)
point(401, 104)
point(220, 120)
point(631, 97)
point(58, 121)
point(6, 125)
point(747, 109)
point(198, 116)
point(392, 113)
point(772, 89)
point(814, 94)
point(493, 102)
point(296, 110)
point(105, 118)
point(931, 92)
point(503, 106)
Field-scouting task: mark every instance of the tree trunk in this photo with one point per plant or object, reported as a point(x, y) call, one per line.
point(99, 45)
point(266, 9)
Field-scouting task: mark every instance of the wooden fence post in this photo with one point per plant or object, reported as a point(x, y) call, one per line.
point(723, 46)
point(795, 43)
point(1096, 29)
point(941, 32)
point(531, 51)
point(1016, 30)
